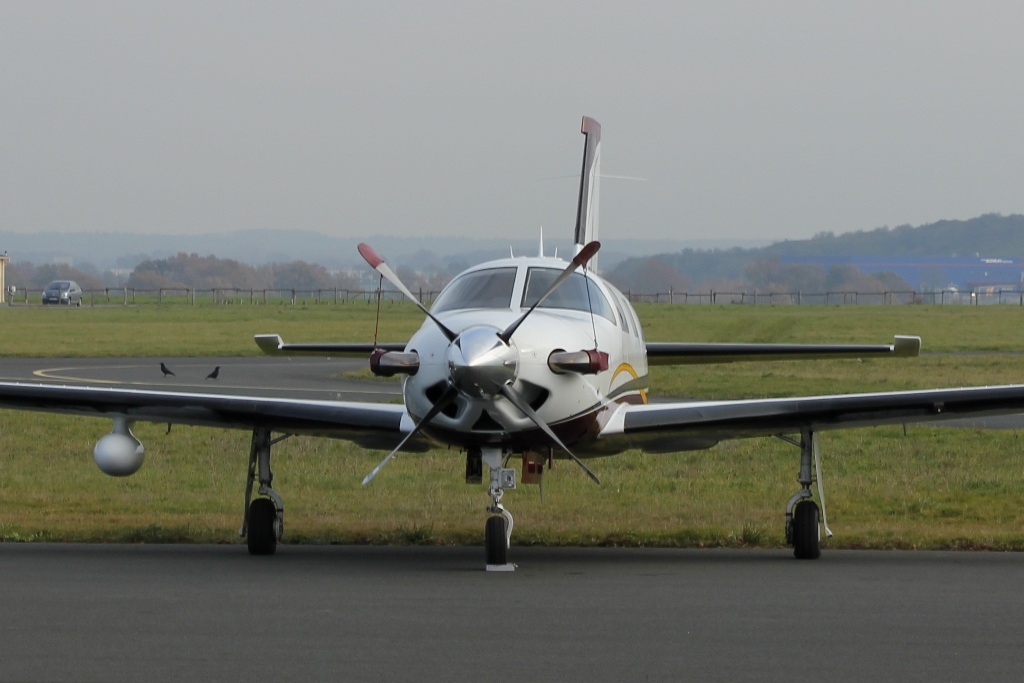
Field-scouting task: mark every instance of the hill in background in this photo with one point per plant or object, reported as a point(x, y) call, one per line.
point(986, 250)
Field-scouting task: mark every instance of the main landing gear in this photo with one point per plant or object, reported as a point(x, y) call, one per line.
point(498, 531)
point(802, 528)
point(263, 523)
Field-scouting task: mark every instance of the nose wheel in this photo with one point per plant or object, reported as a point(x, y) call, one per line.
point(496, 541)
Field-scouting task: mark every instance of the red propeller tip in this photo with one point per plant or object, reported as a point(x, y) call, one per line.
point(587, 253)
point(371, 257)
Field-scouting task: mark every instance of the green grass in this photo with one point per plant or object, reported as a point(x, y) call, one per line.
point(933, 488)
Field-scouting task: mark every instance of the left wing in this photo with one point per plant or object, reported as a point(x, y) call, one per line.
point(371, 425)
point(667, 427)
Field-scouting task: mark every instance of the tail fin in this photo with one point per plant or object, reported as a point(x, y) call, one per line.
point(590, 182)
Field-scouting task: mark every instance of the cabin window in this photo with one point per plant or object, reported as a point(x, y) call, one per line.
point(622, 316)
point(576, 293)
point(488, 288)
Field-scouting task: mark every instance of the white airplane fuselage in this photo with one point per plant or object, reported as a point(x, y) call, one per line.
point(585, 313)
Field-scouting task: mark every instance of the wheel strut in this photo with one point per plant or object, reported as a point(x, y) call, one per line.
point(263, 519)
point(802, 530)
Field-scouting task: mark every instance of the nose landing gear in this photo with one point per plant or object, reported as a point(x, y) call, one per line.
point(498, 531)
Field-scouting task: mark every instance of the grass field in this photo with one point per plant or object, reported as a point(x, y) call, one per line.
point(933, 487)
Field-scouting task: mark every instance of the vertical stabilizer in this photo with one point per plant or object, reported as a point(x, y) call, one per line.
point(590, 181)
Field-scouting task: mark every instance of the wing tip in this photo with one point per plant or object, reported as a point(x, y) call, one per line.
point(269, 343)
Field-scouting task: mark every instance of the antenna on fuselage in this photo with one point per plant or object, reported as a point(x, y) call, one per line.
point(540, 251)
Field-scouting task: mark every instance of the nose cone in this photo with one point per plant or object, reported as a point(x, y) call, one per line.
point(480, 363)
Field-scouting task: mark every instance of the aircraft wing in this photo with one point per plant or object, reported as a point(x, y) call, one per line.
point(274, 345)
point(670, 426)
point(372, 425)
point(659, 353)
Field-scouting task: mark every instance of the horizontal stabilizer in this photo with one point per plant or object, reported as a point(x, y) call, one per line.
point(273, 345)
point(694, 354)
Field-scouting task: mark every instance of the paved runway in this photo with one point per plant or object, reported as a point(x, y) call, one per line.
point(130, 613)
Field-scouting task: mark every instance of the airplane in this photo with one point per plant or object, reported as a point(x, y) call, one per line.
point(530, 357)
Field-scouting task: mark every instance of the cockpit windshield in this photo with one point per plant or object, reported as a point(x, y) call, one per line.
point(490, 288)
point(575, 293)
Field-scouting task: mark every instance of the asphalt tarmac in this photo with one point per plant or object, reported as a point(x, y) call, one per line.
point(315, 378)
point(142, 612)
point(156, 613)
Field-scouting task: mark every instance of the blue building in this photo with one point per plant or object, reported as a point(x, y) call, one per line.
point(934, 273)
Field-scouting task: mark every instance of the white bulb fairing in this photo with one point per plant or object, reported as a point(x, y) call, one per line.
point(119, 454)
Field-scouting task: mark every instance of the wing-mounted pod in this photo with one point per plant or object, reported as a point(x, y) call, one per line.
point(119, 453)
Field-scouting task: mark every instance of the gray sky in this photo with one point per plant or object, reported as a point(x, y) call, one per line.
point(748, 119)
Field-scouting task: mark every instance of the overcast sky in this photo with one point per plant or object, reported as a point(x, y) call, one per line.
point(747, 119)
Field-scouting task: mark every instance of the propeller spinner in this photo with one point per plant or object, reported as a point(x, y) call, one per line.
point(480, 363)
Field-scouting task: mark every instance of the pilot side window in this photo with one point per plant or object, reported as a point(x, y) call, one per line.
point(576, 293)
point(490, 288)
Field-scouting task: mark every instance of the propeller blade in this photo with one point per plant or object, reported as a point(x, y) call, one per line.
point(586, 253)
point(508, 392)
point(377, 263)
point(441, 404)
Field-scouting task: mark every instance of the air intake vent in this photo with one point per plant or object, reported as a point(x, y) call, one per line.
point(434, 393)
point(486, 423)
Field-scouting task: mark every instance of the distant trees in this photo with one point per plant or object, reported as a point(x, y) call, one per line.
point(661, 274)
point(27, 275)
point(192, 271)
point(652, 274)
point(768, 275)
point(185, 271)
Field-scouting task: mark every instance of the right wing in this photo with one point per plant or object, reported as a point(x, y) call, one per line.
point(371, 425)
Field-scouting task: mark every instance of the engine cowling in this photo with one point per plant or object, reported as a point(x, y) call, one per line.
point(119, 454)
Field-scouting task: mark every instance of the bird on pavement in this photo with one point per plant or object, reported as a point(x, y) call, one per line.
point(213, 375)
point(166, 370)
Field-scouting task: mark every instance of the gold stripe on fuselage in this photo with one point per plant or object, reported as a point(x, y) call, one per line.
point(628, 369)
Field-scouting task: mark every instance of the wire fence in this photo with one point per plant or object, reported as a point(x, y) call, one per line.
point(129, 296)
point(837, 298)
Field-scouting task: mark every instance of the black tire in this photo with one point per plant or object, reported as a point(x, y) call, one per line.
point(496, 541)
point(806, 538)
point(261, 536)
